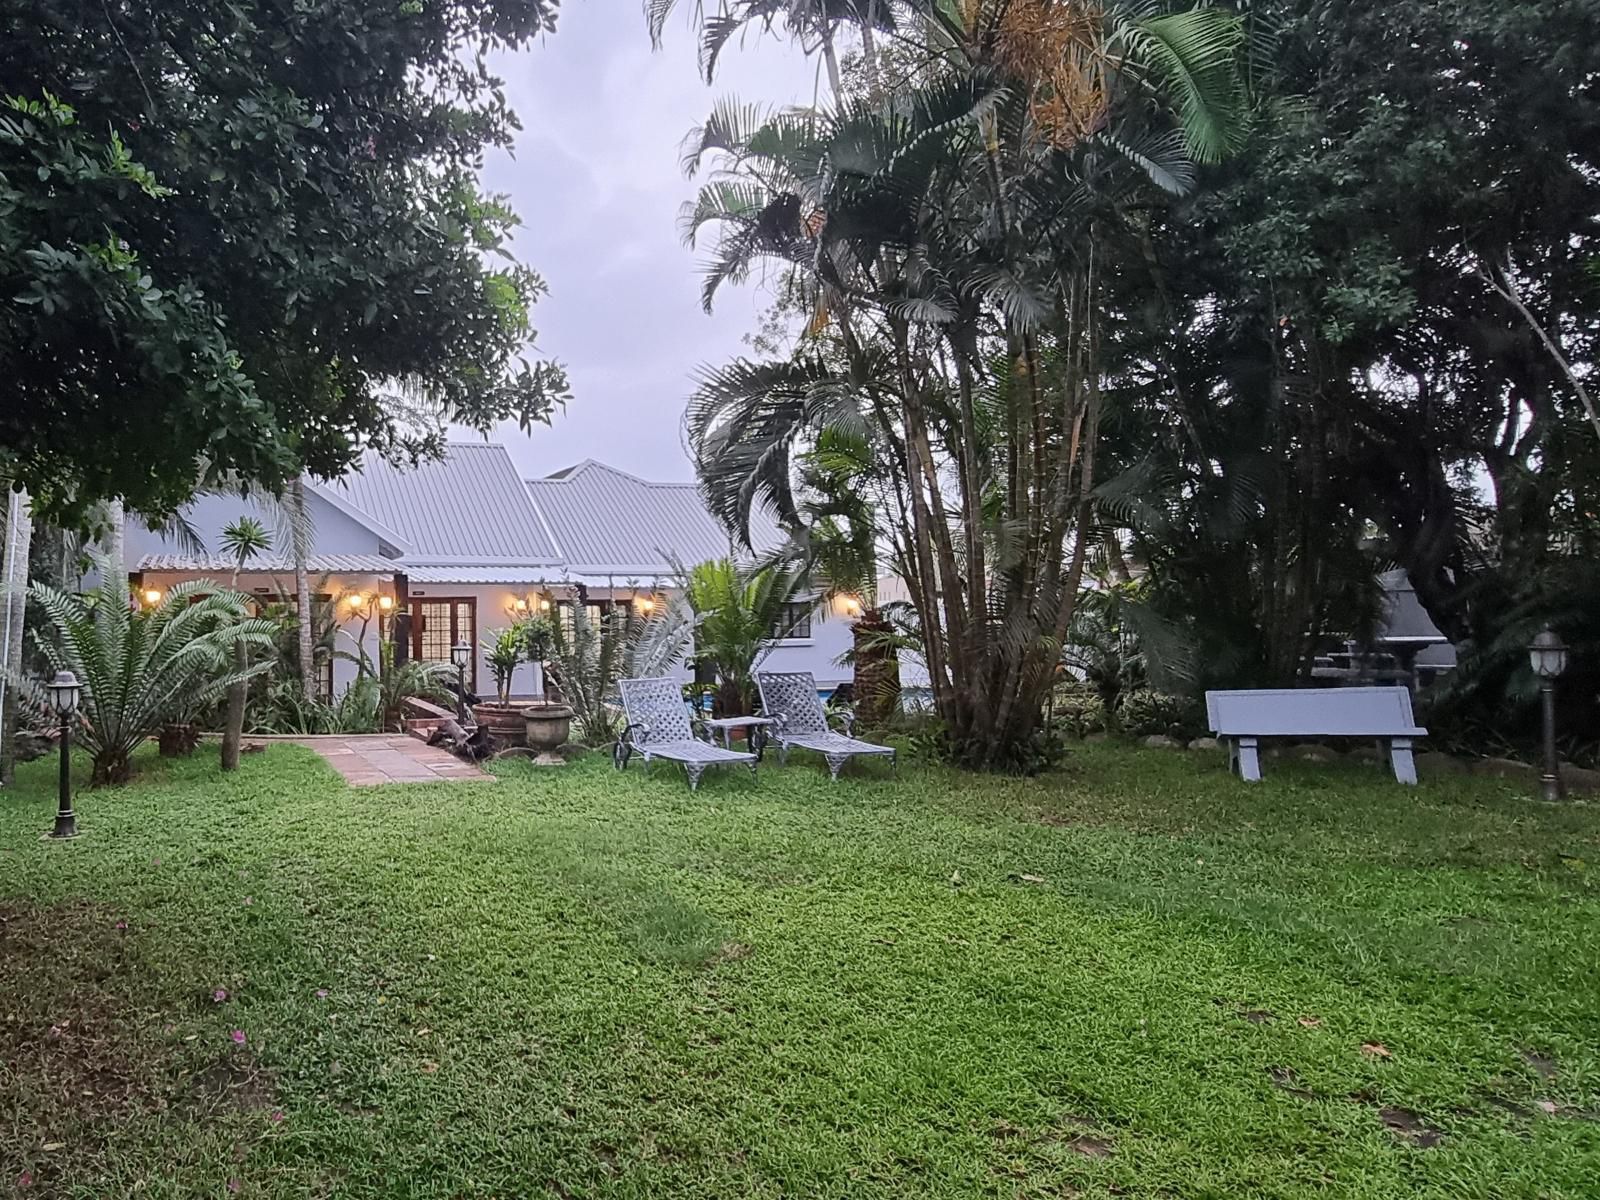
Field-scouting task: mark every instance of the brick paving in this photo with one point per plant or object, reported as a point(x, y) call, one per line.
point(369, 759)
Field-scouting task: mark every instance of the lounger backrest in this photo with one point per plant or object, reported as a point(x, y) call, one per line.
point(1313, 712)
point(794, 694)
point(657, 704)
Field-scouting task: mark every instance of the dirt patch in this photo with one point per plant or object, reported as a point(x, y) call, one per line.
point(1090, 1146)
point(1541, 1063)
point(1408, 1125)
point(1287, 1081)
point(91, 1044)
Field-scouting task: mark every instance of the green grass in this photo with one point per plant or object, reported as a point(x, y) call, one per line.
point(1135, 977)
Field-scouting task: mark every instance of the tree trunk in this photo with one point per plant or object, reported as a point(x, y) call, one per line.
point(233, 724)
point(877, 672)
point(300, 538)
point(15, 541)
point(111, 767)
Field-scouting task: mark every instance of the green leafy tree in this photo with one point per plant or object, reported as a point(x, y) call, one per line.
point(738, 614)
point(227, 228)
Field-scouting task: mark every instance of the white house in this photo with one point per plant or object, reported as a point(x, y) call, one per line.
point(466, 546)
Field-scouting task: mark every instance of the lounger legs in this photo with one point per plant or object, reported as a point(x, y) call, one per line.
point(836, 763)
point(1246, 751)
point(694, 771)
point(1405, 767)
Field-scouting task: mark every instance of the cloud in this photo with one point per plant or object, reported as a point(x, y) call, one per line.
point(595, 176)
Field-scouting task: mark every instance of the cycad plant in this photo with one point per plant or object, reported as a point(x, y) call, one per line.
point(139, 666)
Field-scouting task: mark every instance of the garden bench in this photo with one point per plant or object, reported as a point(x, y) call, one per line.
point(1242, 719)
point(799, 721)
point(658, 726)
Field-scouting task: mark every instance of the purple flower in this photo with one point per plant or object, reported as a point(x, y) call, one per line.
point(277, 1116)
point(122, 925)
point(220, 995)
point(238, 1037)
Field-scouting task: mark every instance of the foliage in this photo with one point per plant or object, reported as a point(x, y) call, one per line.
point(1143, 712)
point(589, 656)
point(504, 651)
point(247, 223)
point(284, 709)
point(1077, 710)
point(956, 234)
point(737, 615)
point(140, 666)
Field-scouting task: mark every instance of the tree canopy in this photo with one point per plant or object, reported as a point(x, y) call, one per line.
point(227, 231)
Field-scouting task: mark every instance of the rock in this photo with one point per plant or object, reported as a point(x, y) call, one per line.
point(1316, 754)
point(571, 751)
point(1580, 779)
point(1205, 743)
point(1434, 762)
point(1505, 768)
point(1160, 741)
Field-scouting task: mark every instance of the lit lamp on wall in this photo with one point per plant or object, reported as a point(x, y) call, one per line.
point(152, 596)
point(356, 601)
point(63, 691)
point(520, 604)
point(852, 606)
point(461, 654)
point(647, 605)
point(1548, 655)
point(385, 603)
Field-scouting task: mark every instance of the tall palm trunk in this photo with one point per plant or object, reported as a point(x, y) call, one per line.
point(300, 542)
point(14, 547)
point(233, 727)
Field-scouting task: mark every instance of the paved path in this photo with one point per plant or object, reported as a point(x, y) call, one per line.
point(367, 759)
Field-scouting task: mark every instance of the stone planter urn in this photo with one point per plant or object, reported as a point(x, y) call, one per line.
point(548, 726)
point(504, 723)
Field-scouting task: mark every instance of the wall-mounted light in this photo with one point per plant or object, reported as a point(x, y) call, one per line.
point(386, 602)
point(152, 596)
point(544, 604)
point(355, 600)
point(647, 604)
point(852, 606)
point(520, 604)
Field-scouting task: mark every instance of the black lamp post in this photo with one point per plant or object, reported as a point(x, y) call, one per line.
point(1548, 654)
point(64, 690)
point(460, 653)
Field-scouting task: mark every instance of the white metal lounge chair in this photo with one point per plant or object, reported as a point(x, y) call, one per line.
point(790, 699)
point(658, 726)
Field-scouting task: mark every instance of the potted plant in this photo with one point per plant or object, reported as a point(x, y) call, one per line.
point(547, 723)
point(504, 653)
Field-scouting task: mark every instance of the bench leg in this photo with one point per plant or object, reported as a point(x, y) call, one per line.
point(1405, 767)
point(836, 763)
point(694, 771)
point(1248, 750)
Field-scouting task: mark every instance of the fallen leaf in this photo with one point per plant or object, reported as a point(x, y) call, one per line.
point(424, 1031)
point(50, 1147)
point(1548, 1107)
point(1376, 1050)
point(955, 878)
point(1311, 1022)
point(430, 1067)
point(1031, 878)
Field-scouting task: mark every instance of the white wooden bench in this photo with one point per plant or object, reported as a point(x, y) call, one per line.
point(1242, 719)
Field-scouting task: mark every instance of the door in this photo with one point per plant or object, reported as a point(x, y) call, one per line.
point(436, 625)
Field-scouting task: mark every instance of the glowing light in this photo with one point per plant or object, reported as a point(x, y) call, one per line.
point(647, 605)
point(152, 596)
point(356, 600)
point(544, 606)
point(386, 602)
point(852, 606)
point(520, 604)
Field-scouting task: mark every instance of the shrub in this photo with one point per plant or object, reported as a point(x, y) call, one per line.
point(1144, 712)
point(1076, 710)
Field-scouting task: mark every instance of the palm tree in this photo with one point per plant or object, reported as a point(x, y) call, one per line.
point(813, 23)
point(15, 540)
point(954, 239)
point(738, 615)
point(241, 541)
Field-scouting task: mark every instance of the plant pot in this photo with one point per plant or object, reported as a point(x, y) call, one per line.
point(504, 723)
point(178, 741)
point(547, 727)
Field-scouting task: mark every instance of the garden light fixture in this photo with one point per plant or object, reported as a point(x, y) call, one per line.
point(152, 596)
point(1547, 654)
point(460, 653)
point(385, 603)
point(64, 689)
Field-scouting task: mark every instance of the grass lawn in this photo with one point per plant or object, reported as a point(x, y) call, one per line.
point(1135, 977)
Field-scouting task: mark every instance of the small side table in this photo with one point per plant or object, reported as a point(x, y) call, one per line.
point(755, 731)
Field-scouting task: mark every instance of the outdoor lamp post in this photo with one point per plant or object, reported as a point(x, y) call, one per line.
point(64, 690)
point(1548, 654)
point(459, 654)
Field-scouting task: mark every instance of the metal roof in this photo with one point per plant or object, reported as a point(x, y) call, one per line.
point(321, 564)
point(532, 575)
point(610, 523)
point(1404, 620)
point(468, 507)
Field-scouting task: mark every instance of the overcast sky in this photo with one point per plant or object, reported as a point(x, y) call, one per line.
point(596, 180)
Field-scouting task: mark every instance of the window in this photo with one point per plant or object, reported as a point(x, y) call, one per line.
point(794, 623)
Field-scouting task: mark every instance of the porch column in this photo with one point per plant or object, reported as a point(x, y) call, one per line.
point(400, 627)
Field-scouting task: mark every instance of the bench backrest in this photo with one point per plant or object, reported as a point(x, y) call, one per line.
point(658, 705)
point(1313, 712)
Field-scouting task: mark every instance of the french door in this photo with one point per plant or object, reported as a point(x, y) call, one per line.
point(436, 625)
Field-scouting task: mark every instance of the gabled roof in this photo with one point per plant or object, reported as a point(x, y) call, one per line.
point(470, 507)
point(610, 523)
point(317, 564)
